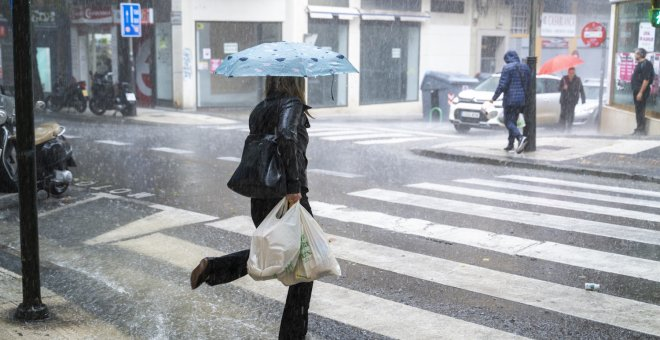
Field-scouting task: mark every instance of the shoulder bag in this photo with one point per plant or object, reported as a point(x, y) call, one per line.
point(260, 173)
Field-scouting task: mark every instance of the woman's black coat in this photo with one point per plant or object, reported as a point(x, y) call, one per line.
point(286, 118)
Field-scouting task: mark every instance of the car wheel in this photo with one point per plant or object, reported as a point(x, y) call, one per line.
point(462, 129)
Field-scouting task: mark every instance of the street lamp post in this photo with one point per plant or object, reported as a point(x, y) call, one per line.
point(530, 109)
point(31, 308)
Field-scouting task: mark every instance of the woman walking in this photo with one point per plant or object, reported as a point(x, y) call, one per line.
point(283, 110)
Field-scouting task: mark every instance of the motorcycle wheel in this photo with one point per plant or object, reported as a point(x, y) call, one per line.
point(52, 104)
point(57, 189)
point(9, 177)
point(128, 111)
point(96, 107)
point(80, 104)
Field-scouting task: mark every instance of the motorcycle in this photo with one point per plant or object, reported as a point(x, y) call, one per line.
point(109, 96)
point(54, 155)
point(73, 95)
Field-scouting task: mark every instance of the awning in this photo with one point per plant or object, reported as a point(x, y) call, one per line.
point(328, 12)
point(392, 15)
point(381, 17)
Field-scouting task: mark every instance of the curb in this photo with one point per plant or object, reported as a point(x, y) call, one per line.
point(526, 164)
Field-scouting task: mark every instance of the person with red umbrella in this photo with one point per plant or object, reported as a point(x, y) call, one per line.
point(571, 89)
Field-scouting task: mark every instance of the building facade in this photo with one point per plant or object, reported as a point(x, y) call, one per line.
point(392, 42)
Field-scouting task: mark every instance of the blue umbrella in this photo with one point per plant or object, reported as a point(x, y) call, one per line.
point(284, 59)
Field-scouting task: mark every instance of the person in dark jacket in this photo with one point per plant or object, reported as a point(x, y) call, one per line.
point(571, 89)
point(283, 110)
point(514, 82)
point(642, 79)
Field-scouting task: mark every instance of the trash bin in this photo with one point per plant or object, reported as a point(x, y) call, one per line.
point(438, 90)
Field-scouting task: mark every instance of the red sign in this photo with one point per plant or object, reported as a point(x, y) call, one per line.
point(593, 34)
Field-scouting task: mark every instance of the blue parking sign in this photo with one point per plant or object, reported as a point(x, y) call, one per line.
point(131, 20)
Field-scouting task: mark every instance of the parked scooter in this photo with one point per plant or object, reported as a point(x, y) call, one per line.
point(54, 155)
point(109, 96)
point(73, 94)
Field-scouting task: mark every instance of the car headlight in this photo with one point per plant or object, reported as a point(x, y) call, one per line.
point(456, 100)
point(3, 117)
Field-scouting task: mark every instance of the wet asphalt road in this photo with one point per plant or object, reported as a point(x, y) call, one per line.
point(458, 254)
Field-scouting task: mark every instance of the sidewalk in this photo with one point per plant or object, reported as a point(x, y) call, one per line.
point(67, 321)
point(624, 157)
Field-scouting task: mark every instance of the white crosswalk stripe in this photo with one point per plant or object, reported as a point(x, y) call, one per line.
point(584, 185)
point(546, 202)
point(372, 136)
point(382, 316)
point(561, 192)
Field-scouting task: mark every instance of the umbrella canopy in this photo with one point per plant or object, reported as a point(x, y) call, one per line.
point(284, 59)
point(560, 63)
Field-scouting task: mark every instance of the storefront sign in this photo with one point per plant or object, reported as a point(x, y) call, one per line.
point(230, 48)
point(558, 25)
point(646, 39)
point(44, 18)
point(554, 43)
point(92, 15)
point(206, 53)
point(593, 34)
point(625, 65)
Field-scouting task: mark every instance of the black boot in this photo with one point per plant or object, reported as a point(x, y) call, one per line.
point(509, 147)
point(200, 273)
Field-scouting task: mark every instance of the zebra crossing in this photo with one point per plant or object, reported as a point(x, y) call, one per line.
point(594, 205)
point(360, 135)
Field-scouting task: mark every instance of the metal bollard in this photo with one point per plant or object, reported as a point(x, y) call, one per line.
point(435, 109)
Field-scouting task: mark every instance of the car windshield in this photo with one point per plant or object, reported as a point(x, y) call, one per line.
point(489, 84)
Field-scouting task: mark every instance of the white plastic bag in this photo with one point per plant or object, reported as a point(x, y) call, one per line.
point(275, 243)
point(315, 258)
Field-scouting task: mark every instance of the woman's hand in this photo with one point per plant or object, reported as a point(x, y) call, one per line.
point(293, 198)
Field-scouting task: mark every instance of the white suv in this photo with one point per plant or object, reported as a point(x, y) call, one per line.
point(465, 111)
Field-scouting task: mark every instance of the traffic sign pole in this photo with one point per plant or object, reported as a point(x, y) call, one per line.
point(131, 27)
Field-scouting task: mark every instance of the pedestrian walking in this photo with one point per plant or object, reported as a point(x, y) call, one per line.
point(284, 111)
point(514, 84)
point(571, 89)
point(642, 78)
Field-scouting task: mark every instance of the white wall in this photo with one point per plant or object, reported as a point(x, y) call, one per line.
point(445, 48)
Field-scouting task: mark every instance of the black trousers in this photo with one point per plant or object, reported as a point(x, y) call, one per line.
point(640, 113)
point(567, 116)
point(233, 266)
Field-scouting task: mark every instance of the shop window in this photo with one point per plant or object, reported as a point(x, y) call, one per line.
point(557, 6)
point(632, 22)
point(394, 5)
point(331, 34)
point(334, 3)
point(448, 6)
point(389, 62)
point(216, 40)
point(520, 16)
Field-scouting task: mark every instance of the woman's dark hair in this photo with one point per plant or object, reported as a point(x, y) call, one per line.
point(286, 86)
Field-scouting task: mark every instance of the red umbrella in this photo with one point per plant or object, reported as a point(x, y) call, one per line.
point(560, 63)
